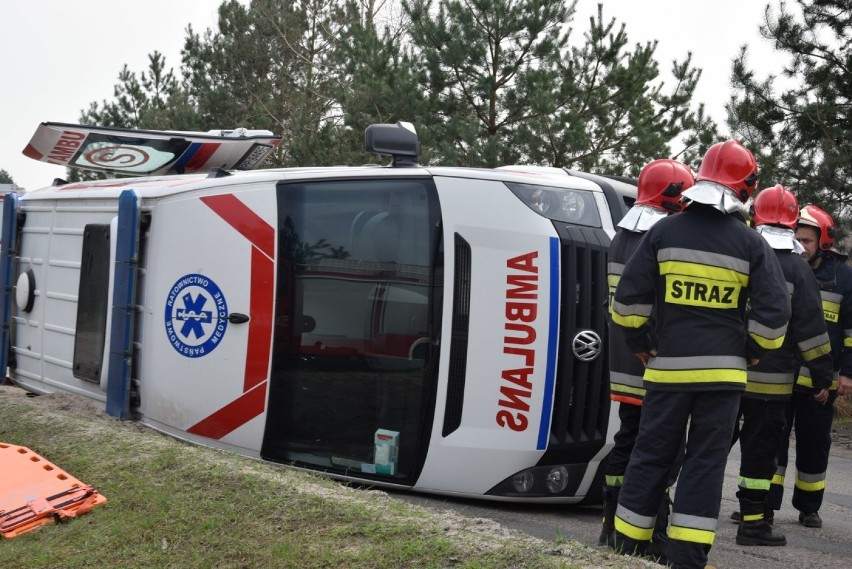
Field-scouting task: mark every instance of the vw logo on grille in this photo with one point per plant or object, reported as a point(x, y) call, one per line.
point(586, 345)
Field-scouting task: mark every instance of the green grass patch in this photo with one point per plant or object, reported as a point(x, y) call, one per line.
point(176, 505)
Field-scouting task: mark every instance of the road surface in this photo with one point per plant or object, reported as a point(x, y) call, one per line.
point(827, 548)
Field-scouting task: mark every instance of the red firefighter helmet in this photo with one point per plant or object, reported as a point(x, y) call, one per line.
point(775, 206)
point(661, 183)
point(814, 216)
point(731, 164)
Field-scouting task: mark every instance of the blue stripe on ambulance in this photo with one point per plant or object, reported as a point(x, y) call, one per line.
point(552, 337)
point(187, 155)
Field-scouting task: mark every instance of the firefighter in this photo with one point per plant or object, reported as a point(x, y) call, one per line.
point(658, 195)
point(770, 382)
point(811, 409)
point(698, 268)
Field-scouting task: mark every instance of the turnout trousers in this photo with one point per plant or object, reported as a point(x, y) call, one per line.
point(710, 417)
point(762, 432)
point(624, 440)
point(812, 422)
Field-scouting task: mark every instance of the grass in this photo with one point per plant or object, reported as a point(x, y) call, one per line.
point(172, 504)
point(843, 409)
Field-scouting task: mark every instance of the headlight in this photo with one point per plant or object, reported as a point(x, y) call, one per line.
point(523, 481)
point(558, 204)
point(556, 479)
point(552, 481)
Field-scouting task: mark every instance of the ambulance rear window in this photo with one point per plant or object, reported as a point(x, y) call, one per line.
point(92, 304)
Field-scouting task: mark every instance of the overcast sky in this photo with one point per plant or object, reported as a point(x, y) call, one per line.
point(57, 56)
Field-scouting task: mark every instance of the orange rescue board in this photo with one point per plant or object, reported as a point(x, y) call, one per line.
point(34, 492)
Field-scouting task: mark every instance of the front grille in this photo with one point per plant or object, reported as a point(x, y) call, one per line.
point(581, 397)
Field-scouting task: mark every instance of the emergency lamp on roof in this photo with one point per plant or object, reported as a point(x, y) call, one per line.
point(399, 141)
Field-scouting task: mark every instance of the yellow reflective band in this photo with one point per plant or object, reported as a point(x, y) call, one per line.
point(696, 375)
point(767, 343)
point(626, 389)
point(769, 388)
point(810, 486)
point(633, 532)
point(707, 293)
point(612, 280)
point(752, 517)
point(687, 534)
point(822, 350)
point(831, 311)
point(778, 479)
point(806, 381)
point(753, 483)
point(704, 272)
point(631, 321)
point(847, 342)
point(614, 480)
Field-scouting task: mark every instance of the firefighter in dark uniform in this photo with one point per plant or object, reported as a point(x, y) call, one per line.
point(699, 268)
point(657, 196)
point(811, 409)
point(770, 382)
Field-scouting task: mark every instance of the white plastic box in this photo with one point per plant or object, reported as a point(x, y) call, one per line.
point(387, 451)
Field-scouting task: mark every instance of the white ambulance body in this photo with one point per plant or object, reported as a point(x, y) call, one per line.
point(431, 328)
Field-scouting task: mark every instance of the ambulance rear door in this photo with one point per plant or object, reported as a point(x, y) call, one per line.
point(208, 314)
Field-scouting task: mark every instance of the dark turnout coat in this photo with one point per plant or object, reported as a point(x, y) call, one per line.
point(806, 340)
point(700, 268)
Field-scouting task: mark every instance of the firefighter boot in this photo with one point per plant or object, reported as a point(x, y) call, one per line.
point(754, 530)
point(660, 539)
point(610, 503)
point(768, 515)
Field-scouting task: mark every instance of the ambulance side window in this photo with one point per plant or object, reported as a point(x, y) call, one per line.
point(92, 303)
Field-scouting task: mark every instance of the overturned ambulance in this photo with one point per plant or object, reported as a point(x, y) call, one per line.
point(429, 328)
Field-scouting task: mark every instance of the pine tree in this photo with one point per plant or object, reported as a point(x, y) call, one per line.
point(377, 78)
point(485, 82)
point(802, 135)
point(151, 100)
point(608, 110)
point(484, 63)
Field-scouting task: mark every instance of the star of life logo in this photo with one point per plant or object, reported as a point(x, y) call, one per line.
point(196, 316)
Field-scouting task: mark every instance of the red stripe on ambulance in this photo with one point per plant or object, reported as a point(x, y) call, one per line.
point(31, 152)
point(261, 302)
point(244, 220)
point(521, 313)
point(260, 325)
point(235, 414)
point(200, 158)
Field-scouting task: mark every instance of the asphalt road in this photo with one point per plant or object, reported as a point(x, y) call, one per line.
point(826, 548)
